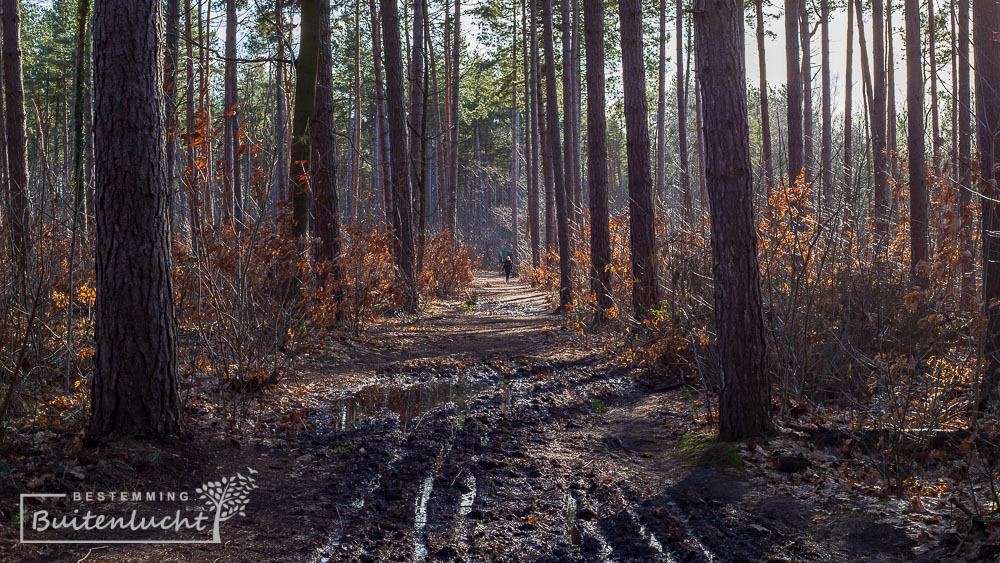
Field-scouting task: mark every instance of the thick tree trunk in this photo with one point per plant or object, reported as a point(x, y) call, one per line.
point(796, 150)
point(640, 186)
point(915, 143)
point(559, 184)
point(986, 15)
point(396, 111)
point(932, 61)
point(17, 175)
point(135, 362)
point(307, 66)
point(597, 156)
point(323, 164)
point(567, 122)
point(745, 398)
point(577, 114)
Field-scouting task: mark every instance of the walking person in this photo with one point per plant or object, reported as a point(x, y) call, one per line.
point(508, 265)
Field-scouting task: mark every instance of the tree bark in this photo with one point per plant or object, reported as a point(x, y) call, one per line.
point(765, 115)
point(355, 193)
point(382, 129)
point(597, 156)
point(559, 183)
point(687, 202)
point(135, 361)
point(659, 187)
point(305, 103)
point(986, 15)
point(965, 110)
point(826, 150)
point(640, 186)
point(395, 106)
point(231, 154)
point(18, 214)
point(533, 121)
point(878, 120)
point(173, 20)
point(280, 123)
point(796, 150)
point(323, 165)
point(932, 56)
point(848, 105)
point(745, 397)
point(573, 204)
point(418, 127)
point(456, 46)
point(807, 106)
point(515, 133)
point(915, 144)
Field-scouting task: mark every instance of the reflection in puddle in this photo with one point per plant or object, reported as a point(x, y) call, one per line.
point(409, 402)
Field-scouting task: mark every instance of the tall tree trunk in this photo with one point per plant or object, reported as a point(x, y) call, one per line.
point(965, 110)
point(932, 56)
point(848, 104)
point(280, 124)
point(807, 106)
point(515, 134)
point(796, 150)
point(548, 175)
point(307, 66)
point(745, 396)
point(355, 193)
point(456, 50)
point(173, 21)
point(915, 143)
point(986, 15)
point(323, 164)
point(17, 176)
point(878, 120)
point(826, 151)
point(382, 129)
point(687, 202)
point(231, 155)
point(659, 188)
point(531, 105)
point(765, 115)
point(190, 133)
point(418, 126)
point(597, 155)
point(577, 114)
point(135, 361)
point(396, 111)
point(567, 122)
point(891, 130)
point(640, 186)
point(559, 186)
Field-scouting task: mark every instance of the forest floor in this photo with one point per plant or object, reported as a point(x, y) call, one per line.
point(483, 429)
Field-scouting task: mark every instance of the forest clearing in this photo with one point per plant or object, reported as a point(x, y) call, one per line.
point(541, 280)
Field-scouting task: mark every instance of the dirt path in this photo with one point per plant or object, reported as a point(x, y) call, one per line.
point(477, 433)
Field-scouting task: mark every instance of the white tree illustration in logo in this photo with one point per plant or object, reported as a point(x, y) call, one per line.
point(228, 497)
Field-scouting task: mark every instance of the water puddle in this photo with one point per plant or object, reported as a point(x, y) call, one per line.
point(409, 401)
point(420, 519)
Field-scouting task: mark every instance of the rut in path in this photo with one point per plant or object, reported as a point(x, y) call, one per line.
point(474, 461)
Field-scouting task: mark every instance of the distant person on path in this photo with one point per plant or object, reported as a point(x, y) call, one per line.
point(508, 265)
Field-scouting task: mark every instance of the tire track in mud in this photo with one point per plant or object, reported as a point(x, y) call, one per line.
point(465, 481)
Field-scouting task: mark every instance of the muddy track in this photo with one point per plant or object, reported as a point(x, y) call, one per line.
point(516, 456)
